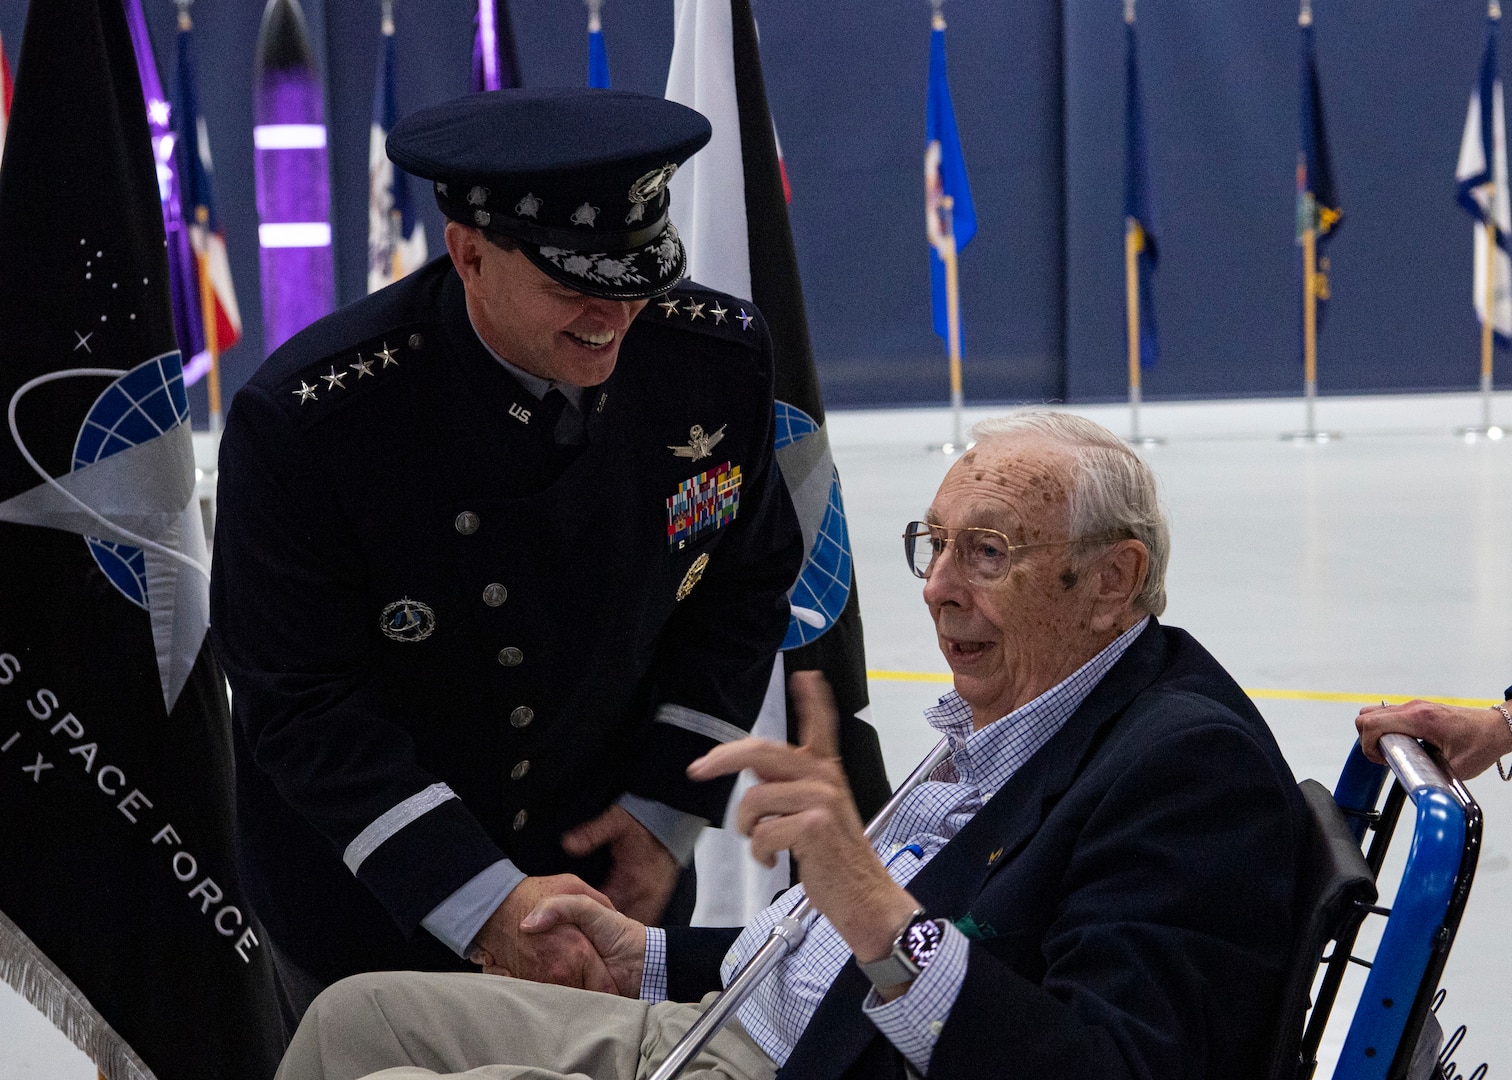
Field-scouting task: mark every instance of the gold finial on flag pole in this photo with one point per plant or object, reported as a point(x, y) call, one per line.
point(595, 8)
point(937, 21)
point(183, 14)
point(1129, 11)
point(1493, 10)
point(1304, 17)
point(388, 18)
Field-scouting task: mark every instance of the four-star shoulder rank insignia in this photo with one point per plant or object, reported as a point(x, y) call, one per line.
point(719, 313)
point(362, 367)
point(387, 355)
point(333, 380)
point(745, 320)
point(695, 311)
point(699, 445)
point(670, 307)
point(305, 393)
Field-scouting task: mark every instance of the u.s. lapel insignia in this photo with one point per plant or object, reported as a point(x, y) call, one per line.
point(693, 576)
point(407, 620)
point(995, 856)
point(699, 445)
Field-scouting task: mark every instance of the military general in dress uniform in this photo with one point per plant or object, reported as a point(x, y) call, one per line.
point(501, 549)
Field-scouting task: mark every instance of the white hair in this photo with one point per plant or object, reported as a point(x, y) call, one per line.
point(1113, 491)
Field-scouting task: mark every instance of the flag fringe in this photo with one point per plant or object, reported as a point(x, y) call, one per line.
point(38, 980)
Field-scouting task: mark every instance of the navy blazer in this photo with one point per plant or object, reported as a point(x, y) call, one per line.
point(1129, 894)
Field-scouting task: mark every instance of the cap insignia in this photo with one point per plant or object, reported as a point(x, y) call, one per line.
point(652, 184)
point(477, 196)
point(719, 313)
point(637, 213)
point(585, 215)
point(529, 206)
point(601, 268)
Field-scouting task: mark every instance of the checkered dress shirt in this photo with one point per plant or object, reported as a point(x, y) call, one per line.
point(980, 763)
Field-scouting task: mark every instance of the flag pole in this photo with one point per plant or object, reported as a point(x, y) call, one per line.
point(1309, 432)
point(1486, 428)
point(1133, 244)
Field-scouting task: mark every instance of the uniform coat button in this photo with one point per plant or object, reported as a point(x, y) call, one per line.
point(519, 771)
point(519, 821)
point(416, 341)
point(511, 656)
point(522, 716)
point(495, 594)
point(467, 522)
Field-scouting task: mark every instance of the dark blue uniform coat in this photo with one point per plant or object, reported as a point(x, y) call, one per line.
point(1129, 892)
point(450, 640)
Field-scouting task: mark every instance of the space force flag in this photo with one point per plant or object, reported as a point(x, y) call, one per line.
point(729, 206)
point(1139, 210)
point(1481, 184)
point(945, 177)
point(121, 915)
point(1318, 207)
point(396, 236)
point(220, 314)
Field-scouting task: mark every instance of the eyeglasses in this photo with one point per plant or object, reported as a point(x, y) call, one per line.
point(985, 555)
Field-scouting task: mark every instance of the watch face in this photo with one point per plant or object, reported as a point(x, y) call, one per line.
point(922, 940)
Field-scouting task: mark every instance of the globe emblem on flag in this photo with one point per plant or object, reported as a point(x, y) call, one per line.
point(141, 405)
point(824, 584)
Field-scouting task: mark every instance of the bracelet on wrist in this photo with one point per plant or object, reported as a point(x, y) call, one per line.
point(1507, 716)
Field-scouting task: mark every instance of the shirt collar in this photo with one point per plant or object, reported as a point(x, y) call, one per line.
point(534, 385)
point(987, 758)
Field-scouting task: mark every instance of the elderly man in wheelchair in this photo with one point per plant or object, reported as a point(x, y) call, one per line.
point(1100, 879)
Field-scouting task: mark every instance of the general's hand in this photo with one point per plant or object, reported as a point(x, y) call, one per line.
point(1471, 739)
point(803, 805)
point(561, 955)
point(643, 874)
point(620, 941)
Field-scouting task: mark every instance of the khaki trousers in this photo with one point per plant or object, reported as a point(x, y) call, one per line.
point(401, 1025)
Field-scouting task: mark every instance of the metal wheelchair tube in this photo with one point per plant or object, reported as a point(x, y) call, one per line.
point(785, 937)
point(1414, 769)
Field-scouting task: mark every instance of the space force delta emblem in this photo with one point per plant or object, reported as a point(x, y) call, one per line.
point(703, 502)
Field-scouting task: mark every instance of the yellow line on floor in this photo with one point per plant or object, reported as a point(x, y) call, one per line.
point(1254, 692)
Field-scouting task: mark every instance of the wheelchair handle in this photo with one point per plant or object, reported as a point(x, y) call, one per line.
point(1413, 767)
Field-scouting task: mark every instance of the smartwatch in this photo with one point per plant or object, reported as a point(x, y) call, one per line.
point(912, 950)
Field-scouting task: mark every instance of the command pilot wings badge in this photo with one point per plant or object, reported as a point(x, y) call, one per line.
point(699, 445)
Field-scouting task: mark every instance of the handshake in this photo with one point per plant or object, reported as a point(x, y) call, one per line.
point(561, 930)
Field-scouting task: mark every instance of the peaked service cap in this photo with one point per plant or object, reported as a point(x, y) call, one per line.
point(577, 177)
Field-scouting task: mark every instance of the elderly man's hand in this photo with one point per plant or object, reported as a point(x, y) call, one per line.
point(1471, 739)
point(620, 941)
point(803, 805)
point(560, 955)
point(643, 874)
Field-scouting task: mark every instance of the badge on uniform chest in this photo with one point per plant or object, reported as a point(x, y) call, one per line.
point(704, 502)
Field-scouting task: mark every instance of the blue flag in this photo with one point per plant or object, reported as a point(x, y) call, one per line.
point(1317, 200)
point(945, 175)
point(1481, 186)
point(1139, 210)
point(396, 237)
point(598, 56)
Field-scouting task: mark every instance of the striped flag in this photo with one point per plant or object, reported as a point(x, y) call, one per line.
point(219, 311)
point(396, 237)
point(598, 56)
point(1481, 182)
point(945, 177)
point(1139, 211)
point(729, 205)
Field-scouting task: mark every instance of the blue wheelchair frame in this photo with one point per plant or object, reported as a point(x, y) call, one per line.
point(1421, 923)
